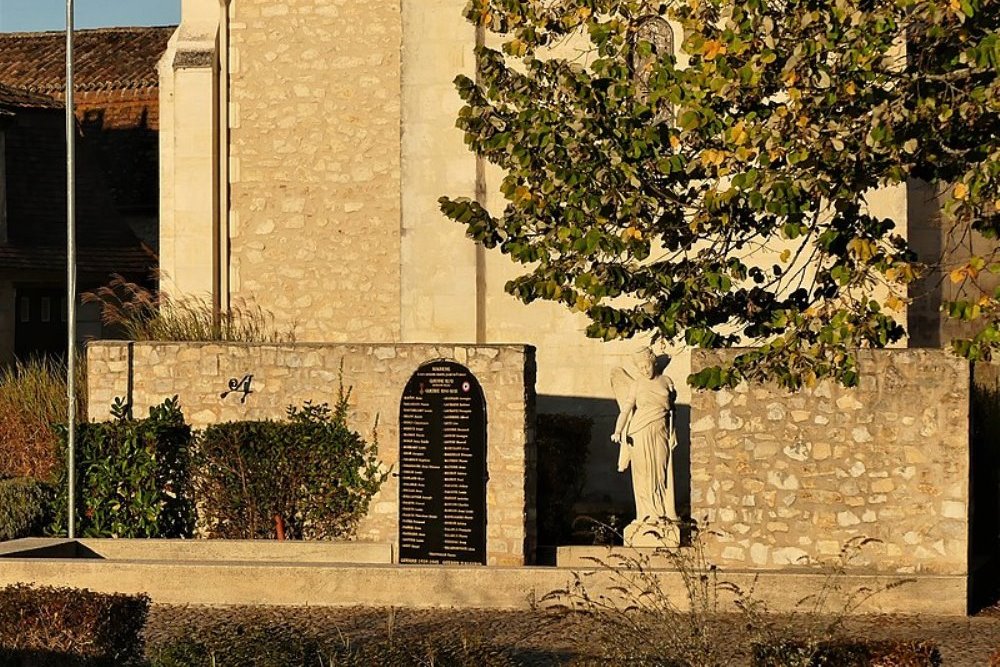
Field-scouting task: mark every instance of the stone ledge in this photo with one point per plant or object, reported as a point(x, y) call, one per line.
point(263, 583)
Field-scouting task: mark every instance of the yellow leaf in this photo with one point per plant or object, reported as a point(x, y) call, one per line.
point(786, 255)
point(713, 157)
point(958, 275)
point(803, 120)
point(675, 143)
point(863, 248)
point(961, 191)
point(790, 78)
point(739, 134)
point(810, 379)
point(850, 88)
point(894, 303)
point(712, 48)
point(631, 233)
point(956, 5)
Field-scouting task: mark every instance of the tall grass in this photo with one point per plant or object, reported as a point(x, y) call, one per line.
point(144, 315)
point(32, 400)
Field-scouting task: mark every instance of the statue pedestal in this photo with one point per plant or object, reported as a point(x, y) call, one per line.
point(652, 534)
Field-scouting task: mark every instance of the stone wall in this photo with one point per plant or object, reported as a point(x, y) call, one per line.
point(789, 478)
point(315, 164)
point(292, 374)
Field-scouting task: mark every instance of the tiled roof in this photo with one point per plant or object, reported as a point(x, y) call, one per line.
point(136, 261)
point(12, 99)
point(106, 59)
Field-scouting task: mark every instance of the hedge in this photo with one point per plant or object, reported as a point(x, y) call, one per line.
point(66, 627)
point(847, 654)
point(25, 506)
point(311, 475)
point(134, 475)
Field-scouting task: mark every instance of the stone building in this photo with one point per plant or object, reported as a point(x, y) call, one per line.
point(33, 229)
point(118, 179)
point(117, 104)
point(304, 146)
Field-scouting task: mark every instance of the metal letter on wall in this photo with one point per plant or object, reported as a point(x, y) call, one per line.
point(442, 467)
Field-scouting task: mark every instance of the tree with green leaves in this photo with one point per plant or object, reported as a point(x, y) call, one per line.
point(716, 192)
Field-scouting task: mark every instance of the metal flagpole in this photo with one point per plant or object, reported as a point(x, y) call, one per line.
point(70, 270)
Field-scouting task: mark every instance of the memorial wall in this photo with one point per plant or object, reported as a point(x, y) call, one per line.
point(783, 479)
point(455, 426)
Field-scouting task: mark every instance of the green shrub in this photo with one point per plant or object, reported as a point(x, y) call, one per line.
point(562, 443)
point(62, 626)
point(25, 506)
point(312, 471)
point(133, 476)
point(792, 653)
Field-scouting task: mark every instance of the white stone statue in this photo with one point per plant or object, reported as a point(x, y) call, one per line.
point(646, 433)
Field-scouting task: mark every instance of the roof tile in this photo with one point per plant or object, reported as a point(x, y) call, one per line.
point(106, 59)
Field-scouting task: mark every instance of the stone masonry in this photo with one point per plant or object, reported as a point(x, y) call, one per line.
point(315, 164)
point(286, 375)
point(790, 478)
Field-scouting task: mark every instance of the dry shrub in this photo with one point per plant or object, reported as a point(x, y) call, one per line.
point(144, 315)
point(32, 400)
point(62, 626)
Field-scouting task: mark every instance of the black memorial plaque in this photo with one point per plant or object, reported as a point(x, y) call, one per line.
point(442, 467)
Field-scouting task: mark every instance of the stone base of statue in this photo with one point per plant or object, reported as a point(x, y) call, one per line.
point(652, 534)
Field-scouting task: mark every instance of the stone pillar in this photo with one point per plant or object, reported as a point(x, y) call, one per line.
point(189, 79)
point(439, 299)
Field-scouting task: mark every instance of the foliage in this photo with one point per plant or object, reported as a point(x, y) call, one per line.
point(644, 624)
point(32, 399)
point(251, 642)
point(312, 471)
point(562, 442)
point(143, 315)
point(133, 475)
point(718, 196)
point(847, 654)
point(25, 506)
point(62, 626)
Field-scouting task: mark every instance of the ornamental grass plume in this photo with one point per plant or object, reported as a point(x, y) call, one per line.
point(32, 401)
point(140, 314)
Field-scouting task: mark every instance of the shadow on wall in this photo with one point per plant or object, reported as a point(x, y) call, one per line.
point(984, 505)
point(606, 490)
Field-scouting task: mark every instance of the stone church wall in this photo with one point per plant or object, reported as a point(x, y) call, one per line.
point(315, 164)
point(342, 139)
point(284, 375)
point(787, 478)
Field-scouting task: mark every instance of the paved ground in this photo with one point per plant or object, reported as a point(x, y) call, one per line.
point(546, 638)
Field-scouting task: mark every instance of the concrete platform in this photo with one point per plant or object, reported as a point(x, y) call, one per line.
point(251, 551)
point(281, 582)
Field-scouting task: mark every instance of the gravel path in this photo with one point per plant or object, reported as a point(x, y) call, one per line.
point(543, 638)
